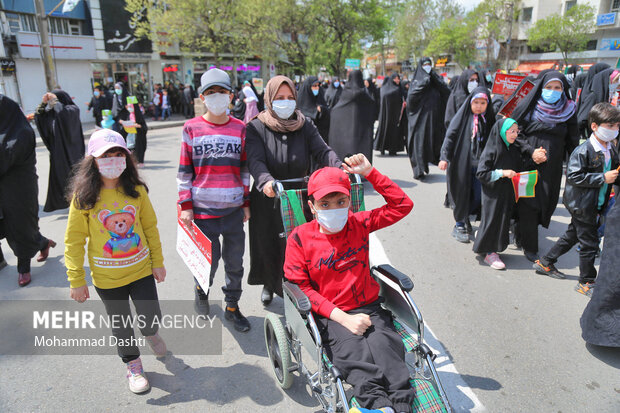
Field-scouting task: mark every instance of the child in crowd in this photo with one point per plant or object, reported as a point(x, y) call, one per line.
point(213, 182)
point(328, 259)
point(591, 171)
point(165, 105)
point(465, 140)
point(110, 207)
point(498, 164)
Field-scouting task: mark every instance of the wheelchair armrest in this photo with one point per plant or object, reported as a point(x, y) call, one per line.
point(299, 299)
point(393, 274)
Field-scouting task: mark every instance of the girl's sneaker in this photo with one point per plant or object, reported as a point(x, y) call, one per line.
point(157, 345)
point(136, 377)
point(494, 261)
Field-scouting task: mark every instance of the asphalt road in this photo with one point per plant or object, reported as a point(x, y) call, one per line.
point(513, 336)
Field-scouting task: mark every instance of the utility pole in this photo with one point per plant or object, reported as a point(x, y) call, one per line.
point(48, 62)
point(509, 38)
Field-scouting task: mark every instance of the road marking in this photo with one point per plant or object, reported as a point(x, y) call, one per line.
point(462, 400)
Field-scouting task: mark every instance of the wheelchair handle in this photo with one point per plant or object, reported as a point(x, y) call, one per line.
point(278, 186)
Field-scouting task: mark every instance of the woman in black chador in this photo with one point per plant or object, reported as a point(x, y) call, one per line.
point(311, 102)
point(426, 104)
point(389, 135)
point(19, 190)
point(463, 86)
point(58, 121)
point(352, 119)
point(600, 322)
point(548, 124)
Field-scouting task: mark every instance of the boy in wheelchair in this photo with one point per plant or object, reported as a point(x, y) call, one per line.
point(328, 258)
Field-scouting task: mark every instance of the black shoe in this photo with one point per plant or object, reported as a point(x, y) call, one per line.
point(266, 296)
point(531, 256)
point(549, 270)
point(460, 234)
point(201, 302)
point(241, 323)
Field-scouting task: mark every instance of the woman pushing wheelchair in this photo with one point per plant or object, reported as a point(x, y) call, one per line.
point(328, 259)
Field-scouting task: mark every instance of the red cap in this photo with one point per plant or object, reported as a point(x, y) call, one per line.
point(327, 180)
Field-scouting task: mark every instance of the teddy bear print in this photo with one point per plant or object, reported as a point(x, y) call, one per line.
point(124, 242)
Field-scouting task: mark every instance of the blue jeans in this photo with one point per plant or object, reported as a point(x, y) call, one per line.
point(165, 113)
point(231, 249)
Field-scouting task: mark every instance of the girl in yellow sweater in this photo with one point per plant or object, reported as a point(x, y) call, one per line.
point(111, 208)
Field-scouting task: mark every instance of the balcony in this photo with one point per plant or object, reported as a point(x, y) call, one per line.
point(62, 46)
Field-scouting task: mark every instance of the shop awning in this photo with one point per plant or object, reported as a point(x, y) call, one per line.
point(528, 67)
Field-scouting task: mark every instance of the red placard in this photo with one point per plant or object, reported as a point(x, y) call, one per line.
point(506, 84)
point(510, 106)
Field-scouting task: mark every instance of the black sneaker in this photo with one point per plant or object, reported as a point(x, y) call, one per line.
point(549, 270)
point(241, 323)
point(201, 302)
point(460, 234)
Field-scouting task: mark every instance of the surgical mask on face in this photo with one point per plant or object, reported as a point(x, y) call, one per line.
point(336, 84)
point(471, 85)
point(315, 92)
point(489, 78)
point(217, 103)
point(551, 96)
point(112, 167)
point(332, 220)
point(96, 93)
point(283, 108)
point(606, 135)
point(427, 68)
point(118, 91)
point(130, 108)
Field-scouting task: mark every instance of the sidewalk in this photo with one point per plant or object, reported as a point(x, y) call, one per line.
point(89, 127)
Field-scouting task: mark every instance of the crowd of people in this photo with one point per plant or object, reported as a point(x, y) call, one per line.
point(292, 131)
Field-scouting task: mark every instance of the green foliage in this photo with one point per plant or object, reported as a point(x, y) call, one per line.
point(418, 21)
point(567, 33)
point(455, 37)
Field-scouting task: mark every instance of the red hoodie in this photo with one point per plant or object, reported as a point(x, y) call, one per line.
point(332, 269)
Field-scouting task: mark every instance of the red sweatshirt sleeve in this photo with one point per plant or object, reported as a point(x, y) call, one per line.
point(397, 207)
point(296, 270)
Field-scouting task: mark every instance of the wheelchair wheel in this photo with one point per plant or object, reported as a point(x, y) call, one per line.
point(279, 350)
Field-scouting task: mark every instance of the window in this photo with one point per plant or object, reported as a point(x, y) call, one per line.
point(526, 14)
point(13, 20)
point(591, 45)
point(28, 23)
point(75, 27)
point(59, 26)
point(569, 5)
point(615, 5)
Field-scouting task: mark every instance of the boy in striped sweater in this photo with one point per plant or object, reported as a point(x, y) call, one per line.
point(213, 183)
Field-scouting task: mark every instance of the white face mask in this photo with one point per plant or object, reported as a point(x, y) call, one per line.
point(471, 85)
point(332, 220)
point(284, 108)
point(336, 84)
point(217, 103)
point(112, 167)
point(606, 135)
point(427, 68)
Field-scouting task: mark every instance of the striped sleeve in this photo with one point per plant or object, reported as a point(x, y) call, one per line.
point(185, 176)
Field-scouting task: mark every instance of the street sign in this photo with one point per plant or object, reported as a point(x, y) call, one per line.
point(606, 19)
point(506, 84)
point(352, 64)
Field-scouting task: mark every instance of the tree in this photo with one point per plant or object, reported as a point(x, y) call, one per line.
point(418, 20)
point(453, 36)
point(567, 33)
point(340, 25)
point(215, 26)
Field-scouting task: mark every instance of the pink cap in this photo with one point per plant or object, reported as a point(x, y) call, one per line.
point(103, 140)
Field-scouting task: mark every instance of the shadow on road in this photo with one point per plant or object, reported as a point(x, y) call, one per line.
point(608, 355)
point(219, 385)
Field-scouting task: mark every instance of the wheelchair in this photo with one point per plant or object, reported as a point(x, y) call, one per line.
point(299, 331)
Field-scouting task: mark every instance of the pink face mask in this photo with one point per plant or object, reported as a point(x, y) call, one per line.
point(111, 168)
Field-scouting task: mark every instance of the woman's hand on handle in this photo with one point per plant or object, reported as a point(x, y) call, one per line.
point(268, 189)
point(80, 294)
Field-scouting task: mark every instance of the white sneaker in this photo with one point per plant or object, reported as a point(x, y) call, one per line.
point(136, 377)
point(494, 261)
point(157, 345)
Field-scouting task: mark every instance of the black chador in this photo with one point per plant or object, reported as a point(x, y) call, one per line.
point(498, 197)
point(389, 135)
point(308, 104)
point(352, 119)
point(426, 104)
